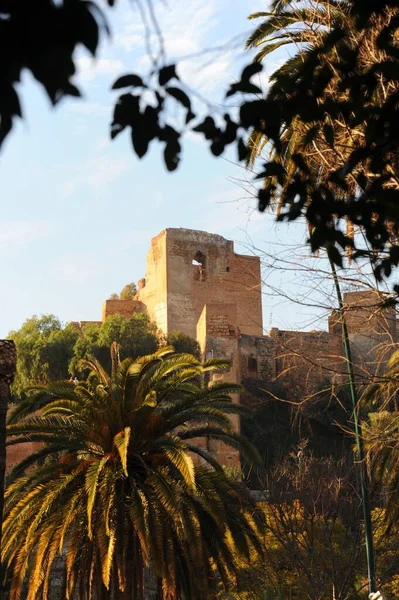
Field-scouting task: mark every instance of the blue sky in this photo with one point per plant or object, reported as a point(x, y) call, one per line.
point(79, 210)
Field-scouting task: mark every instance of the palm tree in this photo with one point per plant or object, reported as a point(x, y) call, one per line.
point(322, 144)
point(115, 487)
point(8, 361)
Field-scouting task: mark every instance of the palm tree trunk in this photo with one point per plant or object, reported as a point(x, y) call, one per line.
point(8, 359)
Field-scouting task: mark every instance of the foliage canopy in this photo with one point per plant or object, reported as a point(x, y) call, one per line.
point(47, 351)
point(116, 485)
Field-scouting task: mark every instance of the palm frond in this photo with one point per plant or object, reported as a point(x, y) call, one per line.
point(121, 441)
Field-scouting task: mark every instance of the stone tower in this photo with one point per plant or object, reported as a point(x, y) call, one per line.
point(188, 269)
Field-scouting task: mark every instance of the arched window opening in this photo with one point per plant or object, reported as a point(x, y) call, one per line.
point(199, 266)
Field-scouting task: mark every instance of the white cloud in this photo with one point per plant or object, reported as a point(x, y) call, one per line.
point(184, 27)
point(96, 173)
point(89, 68)
point(187, 29)
point(22, 233)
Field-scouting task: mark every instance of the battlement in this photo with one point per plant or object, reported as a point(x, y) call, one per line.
point(195, 236)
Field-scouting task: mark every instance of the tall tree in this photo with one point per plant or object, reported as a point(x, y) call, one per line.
point(118, 488)
point(48, 351)
point(303, 27)
point(45, 348)
point(135, 337)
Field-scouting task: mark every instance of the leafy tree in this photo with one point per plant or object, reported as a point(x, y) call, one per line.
point(182, 342)
point(114, 296)
point(44, 349)
point(135, 337)
point(49, 352)
point(116, 485)
point(128, 292)
point(303, 26)
point(278, 422)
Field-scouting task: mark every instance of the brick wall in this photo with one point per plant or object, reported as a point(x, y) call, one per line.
point(127, 308)
point(183, 288)
point(218, 337)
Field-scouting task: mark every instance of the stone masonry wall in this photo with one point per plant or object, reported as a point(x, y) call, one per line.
point(127, 308)
point(217, 335)
point(218, 275)
point(300, 361)
point(153, 288)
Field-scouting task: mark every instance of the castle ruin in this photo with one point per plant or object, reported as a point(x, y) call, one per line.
point(197, 284)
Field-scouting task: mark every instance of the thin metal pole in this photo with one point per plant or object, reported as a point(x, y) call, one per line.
point(368, 530)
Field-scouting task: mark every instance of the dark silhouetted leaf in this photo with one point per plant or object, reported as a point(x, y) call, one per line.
point(208, 128)
point(72, 90)
point(271, 169)
point(140, 141)
point(180, 96)
point(311, 135)
point(251, 70)
point(217, 148)
point(128, 81)
point(116, 129)
point(329, 134)
point(166, 74)
point(87, 28)
point(264, 197)
point(243, 87)
point(171, 154)
point(243, 150)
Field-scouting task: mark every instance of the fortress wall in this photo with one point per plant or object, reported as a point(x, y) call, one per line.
point(153, 289)
point(218, 338)
point(126, 308)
